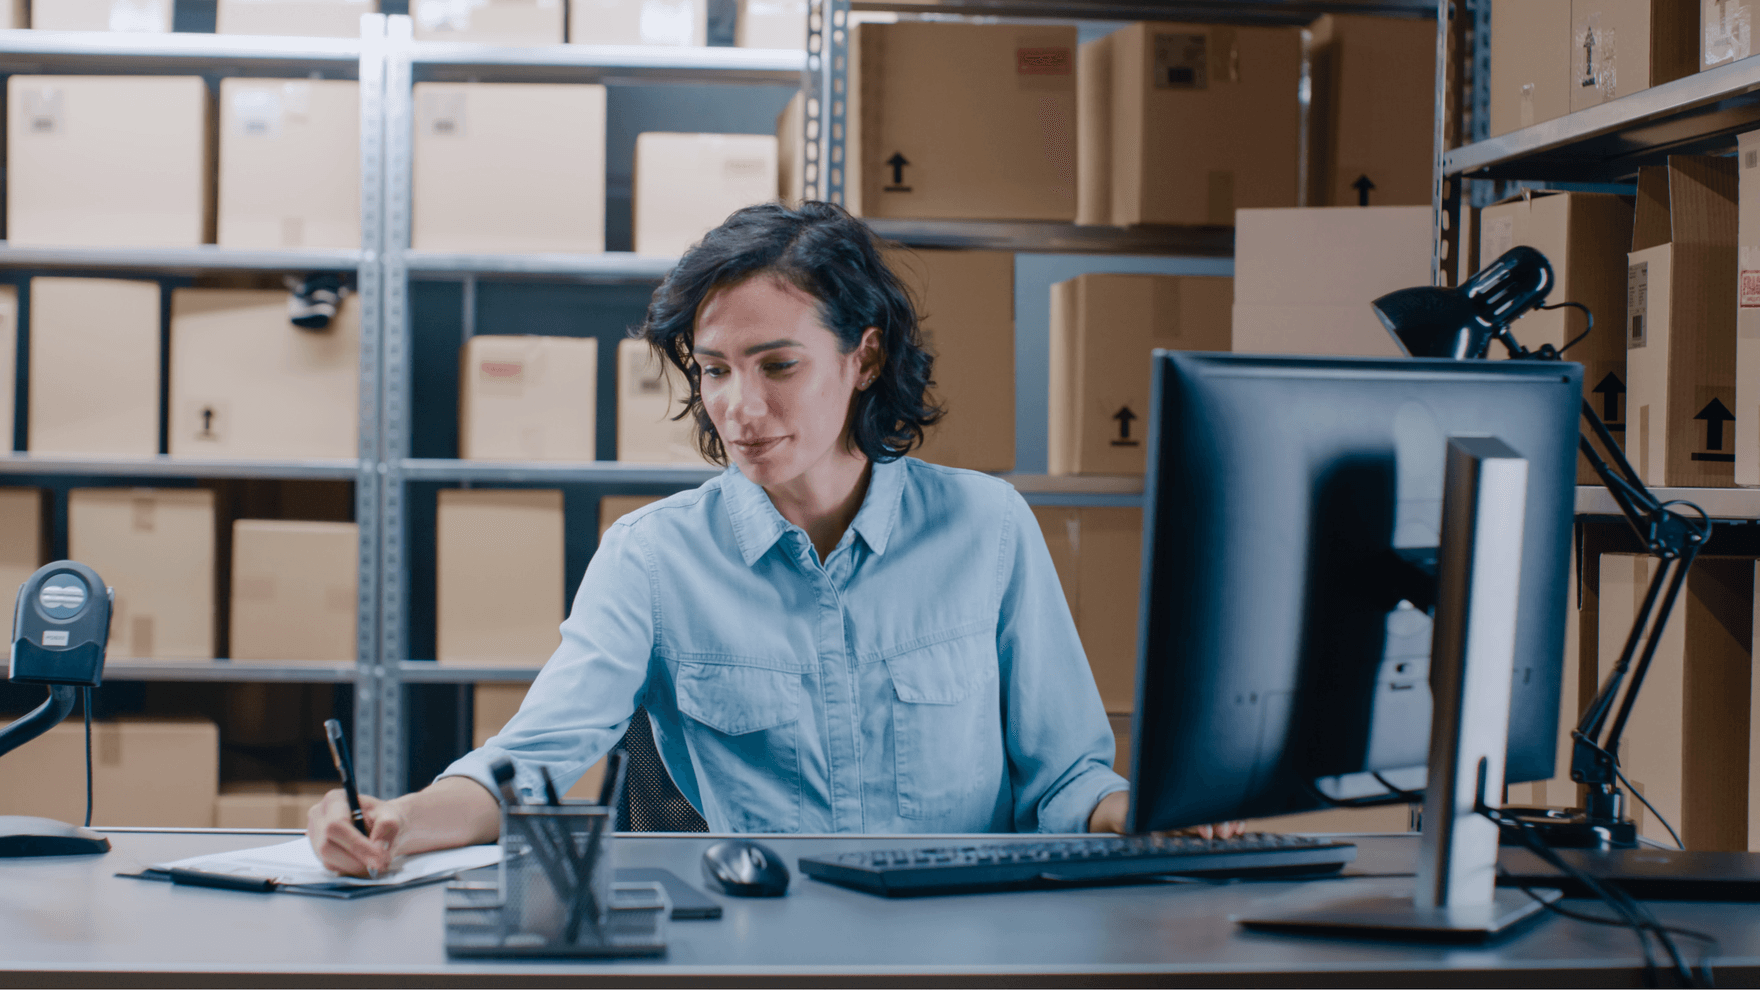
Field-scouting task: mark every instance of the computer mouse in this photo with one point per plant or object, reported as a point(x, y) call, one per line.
point(743, 868)
point(21, 836)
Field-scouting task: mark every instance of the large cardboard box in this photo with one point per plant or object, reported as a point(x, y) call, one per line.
point(290, 163)
point(965, 301)
point(247, 383)
point(94, 372)
point(1584, 236)
point(1098, 554)
point(494, 705)
point(512, 23)
point(294, 589)
point(962, 121)
point(155, 548)
point(8, 362)
point(1103, 328)
point(110, 161)
point(640, 22)
point(771, 24)
point(500, 576)
point(24, 543)
point(509, 167)
point(1747, 409)
point(159, 772)
point(1372, 119)
point(304, 18)
point(687, 184)
point(1726, 32)
point(1304, 279)
point(1686, 746)
point(1619, 47)
point(1180, 92)
point(528, 398)
point(1680, 330)
point(615, 507)
point(1094, 131)
point(650, 392)
point(149, 16)
point(1531, 66)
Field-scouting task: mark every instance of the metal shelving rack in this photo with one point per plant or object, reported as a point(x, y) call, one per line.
point(47, 52)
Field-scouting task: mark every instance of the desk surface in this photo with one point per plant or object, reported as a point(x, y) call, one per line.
point(73, 922)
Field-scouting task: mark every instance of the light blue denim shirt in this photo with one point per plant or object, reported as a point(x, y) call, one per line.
point(926, 677)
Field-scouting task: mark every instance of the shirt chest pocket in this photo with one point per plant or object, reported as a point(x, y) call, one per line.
point(947, 730)
point(743, 732)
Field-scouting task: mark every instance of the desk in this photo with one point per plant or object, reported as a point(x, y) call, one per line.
point(71, 922)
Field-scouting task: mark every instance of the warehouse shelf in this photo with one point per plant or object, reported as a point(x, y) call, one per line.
point(108, 51)
point(1292, 12)
point(1700, 113)
point(1719, 503)
point(278, 671)
point(458, 61)
point(608, 266)
point(180, 261)
point(430, 672)
point(557, 473)
point(161, 466)
point(1055, 237)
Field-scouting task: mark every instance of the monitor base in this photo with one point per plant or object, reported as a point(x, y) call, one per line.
point(1398, 916)
point(1571, 828)
point(22, 836)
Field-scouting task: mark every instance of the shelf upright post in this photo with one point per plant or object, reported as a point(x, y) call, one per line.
point(825, 117)
point(370, 289)
point(1446, 190)
point(394, 396)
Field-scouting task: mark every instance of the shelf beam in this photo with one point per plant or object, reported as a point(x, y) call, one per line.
point(238, 671)
point(1053, 237)
point(179, 52)
point(457, 61)
point(183, 261)
point(610, 267)
point(1189, 11)
point(161, 466)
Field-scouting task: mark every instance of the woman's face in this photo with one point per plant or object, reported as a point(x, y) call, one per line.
point(774, 381)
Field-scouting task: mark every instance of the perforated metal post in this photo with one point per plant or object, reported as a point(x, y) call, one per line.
point(825, 117)
point(368, 717)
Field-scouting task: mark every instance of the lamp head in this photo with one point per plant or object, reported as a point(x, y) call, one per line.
point(1461, 323)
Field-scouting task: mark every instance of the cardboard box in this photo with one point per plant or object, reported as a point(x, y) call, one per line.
point(1686, 746)
point(1103, 328)
point(294, 590)
point(155, 548)
point(8, 362)
point(303, 18)
point(1747, 409)
point(1726, 32)
point(94, 371)
point(1583, 235)
point(24, 544)
point(962, 121)
point(149, 16)
point(268, 805)
point(1304, 279)
point(500, 576)
point(494, 705)
point(1680, 330)
point(145, 772)
point(615, 507)
point(290, 163)
point(688, 184)
point(1372, 119)
point(1531, 63)
point(1098, 555)
point(650, 392)
point(1094, 132)
point(527, 398)
point(509, 167)
point(510, 23)
point(247, 383)
point(1180, 92)
point(791, 151)
point(965, 301)
point(771, 24)
point(109, 161)
point(1619, 47)
point(639, 22)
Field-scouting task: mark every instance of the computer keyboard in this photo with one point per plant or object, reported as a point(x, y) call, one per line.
point(1076, 862)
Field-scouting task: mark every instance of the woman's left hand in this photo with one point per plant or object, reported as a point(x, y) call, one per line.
point(1109, 816)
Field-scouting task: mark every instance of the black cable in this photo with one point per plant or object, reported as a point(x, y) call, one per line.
point(86, 703)
point(1574, 341)
point(1676, 836)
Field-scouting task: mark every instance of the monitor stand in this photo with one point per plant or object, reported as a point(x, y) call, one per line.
point(1456, 897)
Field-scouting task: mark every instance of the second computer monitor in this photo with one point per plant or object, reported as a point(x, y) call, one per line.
point(1293, 506)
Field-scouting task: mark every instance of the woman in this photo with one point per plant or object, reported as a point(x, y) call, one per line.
point(830, 636)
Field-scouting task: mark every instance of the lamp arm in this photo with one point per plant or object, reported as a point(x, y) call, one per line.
point(44, 717)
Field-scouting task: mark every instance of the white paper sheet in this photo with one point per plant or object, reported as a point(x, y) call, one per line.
point(294, 862)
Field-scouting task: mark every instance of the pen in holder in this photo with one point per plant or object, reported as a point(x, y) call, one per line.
point(556, 870)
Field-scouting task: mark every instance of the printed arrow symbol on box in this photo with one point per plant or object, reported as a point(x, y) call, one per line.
point(1362, 186)
point(1715, 414)
point(1124, 417)
point(898, 162)
point(1610, 389)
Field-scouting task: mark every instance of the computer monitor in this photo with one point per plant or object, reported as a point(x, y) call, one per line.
point(1291, 515)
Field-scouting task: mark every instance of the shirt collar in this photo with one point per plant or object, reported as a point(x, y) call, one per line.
point(757, 525)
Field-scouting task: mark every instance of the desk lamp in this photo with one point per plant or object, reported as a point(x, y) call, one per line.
point(60, 631)
point(1462, 323)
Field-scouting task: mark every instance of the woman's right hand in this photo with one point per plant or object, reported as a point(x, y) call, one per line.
point(341, 847)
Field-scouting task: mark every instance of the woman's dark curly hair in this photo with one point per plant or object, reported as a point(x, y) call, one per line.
point(823, 251)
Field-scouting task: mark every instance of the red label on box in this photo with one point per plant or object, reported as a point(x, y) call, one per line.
point(503, 369)
point(1043, 61)
point(1748, 296)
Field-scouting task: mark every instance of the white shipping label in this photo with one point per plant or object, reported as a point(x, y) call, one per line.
point(668, 22)
point(256, 111)
point(42, 110)
point(446, 15)
point(1182, 61)
point(1727, 33)
point(442, 113)
point(139, 15)
point(1637, 303)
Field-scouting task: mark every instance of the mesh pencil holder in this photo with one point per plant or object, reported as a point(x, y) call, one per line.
point(556, 872)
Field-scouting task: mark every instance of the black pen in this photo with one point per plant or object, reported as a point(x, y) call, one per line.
point(345, 768)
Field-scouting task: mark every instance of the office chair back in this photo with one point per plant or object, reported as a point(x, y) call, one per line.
point(651, 802)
